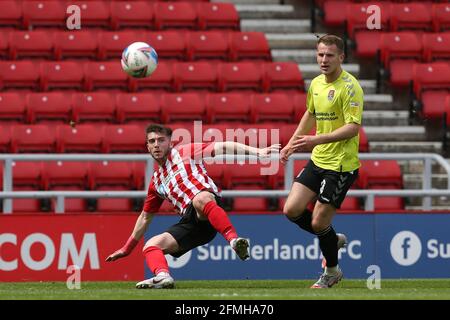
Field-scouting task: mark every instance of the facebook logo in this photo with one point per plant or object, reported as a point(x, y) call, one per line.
point(406, 248)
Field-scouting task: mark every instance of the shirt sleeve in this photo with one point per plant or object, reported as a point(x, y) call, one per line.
point(310, 100)
point(197, 151)
point(353, 103)
point(153, 201)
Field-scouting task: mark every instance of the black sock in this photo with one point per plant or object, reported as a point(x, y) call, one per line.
point(328, 245)
point(304, 221)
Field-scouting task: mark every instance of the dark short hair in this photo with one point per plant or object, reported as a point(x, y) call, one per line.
point(158, 128)
point(330, 39)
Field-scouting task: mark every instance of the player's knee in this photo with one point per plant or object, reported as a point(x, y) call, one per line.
point(292, 211)
point(318, 225)
point(156, 241)
point(201, 200)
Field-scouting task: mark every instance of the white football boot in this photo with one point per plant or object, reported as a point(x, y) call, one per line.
point(162, 280)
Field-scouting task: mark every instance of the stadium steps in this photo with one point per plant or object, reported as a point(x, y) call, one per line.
point(311, 70)
point(291, 40)
point(299, 56)
point(416, 166)
point(276, 25)
point(393, 132)
point(386, 118)
point(249, 1)
point(405, 146)
point(414, 181)
point(261, 11)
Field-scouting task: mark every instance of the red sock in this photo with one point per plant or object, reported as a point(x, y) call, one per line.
point(219, 220)
point(156, 260)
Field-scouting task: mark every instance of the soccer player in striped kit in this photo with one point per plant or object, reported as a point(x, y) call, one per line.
point(182, 179)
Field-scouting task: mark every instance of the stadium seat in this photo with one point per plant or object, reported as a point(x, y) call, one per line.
point(4, 45)
point(168, 44)
point(380, 172)
point(271, 107)
point(249, 204)
point(76, 44)
point(367, 43)
point(286, 132)
point(350, 204)
point(161, 79)
point(105, 75)
point(441, 16)
point(12, 107)
point(387, 203)
point(5, 139)
point(334, 12)
point(240, 76)
point(283, 76)
point(182, 107)
point(93, 106)
point(141, 107)
point(30, 44)
point(10, 13)
point(126, 14)
point(94, 13)
point(114, 204)
point(57, 174)
point(299, 105)
point(19, 74)
point(363, 141)
point(401, 72)
point(430, 76)
point(84, 138)
point(400, 45)
point(32, 139)
point(446, 110)
point(436, 46)
point(26, 206)
point(246, 173)
point(433, 104)
point(250, 46)
point(110, 174)
point(412, 15)
point(217, 16)
point(44, 13)
point(357, 16)
point(227, 107)
point(175, 15)
point(112, 43)
point(27, 174)
point(127, 138)
point(195, 75)
point(207, 45)
point(61, 75)
point(216, 172)
point(72, 205)
point(48, 106)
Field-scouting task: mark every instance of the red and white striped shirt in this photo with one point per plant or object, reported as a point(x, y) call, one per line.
point(181, 178)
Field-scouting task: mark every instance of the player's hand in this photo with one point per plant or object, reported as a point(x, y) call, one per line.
point(304, 143)
point(266, 152)
point(116, 255)
point(285, 153)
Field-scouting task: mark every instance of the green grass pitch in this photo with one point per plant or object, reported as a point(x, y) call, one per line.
point(230, 290)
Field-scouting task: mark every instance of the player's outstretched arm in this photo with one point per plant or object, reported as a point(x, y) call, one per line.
point(236, 148)
point(140, 227)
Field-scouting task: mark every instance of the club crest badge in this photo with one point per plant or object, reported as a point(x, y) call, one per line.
point(330, 95)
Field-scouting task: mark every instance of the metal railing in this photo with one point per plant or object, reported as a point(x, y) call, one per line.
point(426, 192)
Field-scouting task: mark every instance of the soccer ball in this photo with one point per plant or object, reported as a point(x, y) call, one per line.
point(139, 60)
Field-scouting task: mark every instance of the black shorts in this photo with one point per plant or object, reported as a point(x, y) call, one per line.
point(190, 232)
point(331, 186)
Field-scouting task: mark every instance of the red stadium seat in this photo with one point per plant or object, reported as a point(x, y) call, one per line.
point(334, 12)
point(44, 13)
point(433, 76)
point(30, 44)
point(53, 106)
point(216, 172)
point(26, 205)
point(27, 174)
point(72, 205)
point(257, 135)
point(446, 110)
point(388, 203)
point(440, 16)
point(175, 15)
point(286, 132)
point(401, 72)
point(111, 44)
point(19, 74)
point(217, 16)
point(350, 204)
point(138, 172)
point(195, 75)
point(367, 43)
point(271, 107)
point(168, 44)
point(161, 79)
point(57, 174)
point(94, 13)
point(32, 139)
point(182, 107)
point(207, 45)
point(75, 44)
point(110, 174)
point(299, 106)
point(380, 172)
point(228, 107)
point(400, 45)
point(127, 138)
point(249, 45)
point(61, 75)
point(357, 16)
point(5, 139)
point(10, 13)
point(93, 106)
point(114, 204)
point(283, 76)
point(436, 46)
point(433, 104)
point(105, 74)
point(125, 14)
point(12, 107)
point(240, 76)
point(250, 204)
point(363, 141)
point(4, 44)
point(248, 174)
point(84, 138)
point(413, 15)
point(141, 107)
